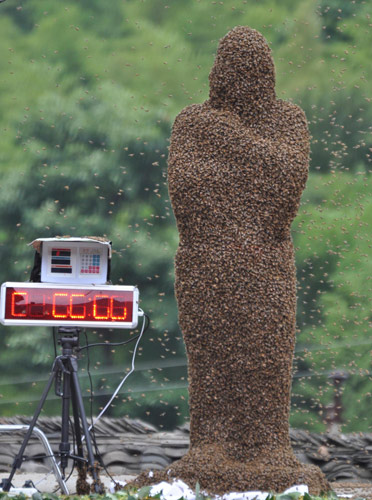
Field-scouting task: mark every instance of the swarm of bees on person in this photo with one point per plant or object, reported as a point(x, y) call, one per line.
point(238, 164)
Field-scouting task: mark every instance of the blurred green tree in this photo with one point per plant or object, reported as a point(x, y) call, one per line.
point(87, 98)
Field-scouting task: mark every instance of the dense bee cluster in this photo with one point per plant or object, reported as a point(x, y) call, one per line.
point(238, 164)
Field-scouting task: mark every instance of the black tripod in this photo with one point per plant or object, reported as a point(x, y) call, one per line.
point(64, 374)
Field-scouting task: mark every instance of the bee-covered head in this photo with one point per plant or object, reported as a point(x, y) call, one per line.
point(243, 74)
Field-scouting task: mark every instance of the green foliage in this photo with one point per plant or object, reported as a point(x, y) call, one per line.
point(334, 270)
point(87, 98)
point(145, 494)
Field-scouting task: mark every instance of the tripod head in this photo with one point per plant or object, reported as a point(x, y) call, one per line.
point(68, 339)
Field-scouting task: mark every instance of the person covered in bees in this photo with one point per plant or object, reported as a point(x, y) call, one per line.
point(238, 164)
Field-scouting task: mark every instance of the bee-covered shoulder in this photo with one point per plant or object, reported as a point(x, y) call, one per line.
point(292, 124)
point(188, 116)
point(203, 118)
point(291, 110)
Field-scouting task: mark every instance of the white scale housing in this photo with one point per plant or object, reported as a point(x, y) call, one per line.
point(73, 260)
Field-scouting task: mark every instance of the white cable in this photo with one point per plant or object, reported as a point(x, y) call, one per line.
point(126, 376)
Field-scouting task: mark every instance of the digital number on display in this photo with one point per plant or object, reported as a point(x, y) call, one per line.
point(37, 303)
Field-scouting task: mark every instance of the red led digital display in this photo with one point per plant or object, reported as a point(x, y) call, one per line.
point(89, 305)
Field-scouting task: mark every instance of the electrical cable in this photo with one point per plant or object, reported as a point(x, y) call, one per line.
point(146, 317)
point(107, 344)
point(127, 375)
point(93, 435)
point(89, 376)
point(92, 430)
point(146, 322)
point(115, 344)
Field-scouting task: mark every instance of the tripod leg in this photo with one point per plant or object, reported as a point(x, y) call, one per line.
point(79, 443)
point(82, 485)
point(18, 459)
point(64, 446)
point(84, 424)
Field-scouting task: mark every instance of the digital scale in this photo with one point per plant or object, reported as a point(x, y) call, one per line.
point(72, 290)
point(74, 260)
